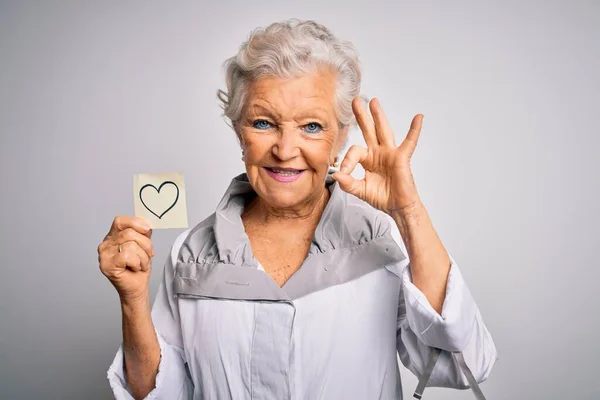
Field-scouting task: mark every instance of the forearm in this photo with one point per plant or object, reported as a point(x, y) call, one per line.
point(429, 261)
point(140, 347)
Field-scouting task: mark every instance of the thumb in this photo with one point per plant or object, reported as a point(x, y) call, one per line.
point(349, 184)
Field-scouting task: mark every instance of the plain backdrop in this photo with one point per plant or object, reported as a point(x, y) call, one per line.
point(92, 92)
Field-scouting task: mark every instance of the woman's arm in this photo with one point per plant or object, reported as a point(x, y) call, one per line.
point(140, 347)
point(429, 261)
point(436, 309)
point(151, 362)
point(457, 327)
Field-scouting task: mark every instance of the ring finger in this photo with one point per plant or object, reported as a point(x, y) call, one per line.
point(131, 235)
point(132, 256)
point(145, 259)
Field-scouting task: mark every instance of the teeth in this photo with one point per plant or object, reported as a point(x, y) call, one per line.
point(285, 173)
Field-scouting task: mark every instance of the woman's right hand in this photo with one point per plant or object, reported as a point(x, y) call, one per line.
point(125, 257)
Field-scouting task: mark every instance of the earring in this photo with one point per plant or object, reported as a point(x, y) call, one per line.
point(333, 168)
point(242, 155)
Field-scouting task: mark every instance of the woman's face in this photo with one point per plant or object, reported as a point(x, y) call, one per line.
point(290, 134)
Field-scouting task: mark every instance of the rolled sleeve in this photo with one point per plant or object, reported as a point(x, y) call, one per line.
point(459, 328)
point(452, 329)
point(172, 381)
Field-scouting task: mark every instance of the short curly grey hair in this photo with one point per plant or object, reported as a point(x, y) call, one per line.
point(288, 49)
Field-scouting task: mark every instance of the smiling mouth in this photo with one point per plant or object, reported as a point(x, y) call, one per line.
point(285, 171)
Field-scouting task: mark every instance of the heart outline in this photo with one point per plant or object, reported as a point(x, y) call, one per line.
point(158, 191)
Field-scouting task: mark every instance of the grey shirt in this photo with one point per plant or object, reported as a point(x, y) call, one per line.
point(333, 331)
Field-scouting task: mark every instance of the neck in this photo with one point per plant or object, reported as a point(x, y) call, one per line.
point(308, 213)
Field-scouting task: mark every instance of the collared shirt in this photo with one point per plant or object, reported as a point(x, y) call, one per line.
point(334, 330)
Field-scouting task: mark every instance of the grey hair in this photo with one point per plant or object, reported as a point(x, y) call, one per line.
point(288, 49)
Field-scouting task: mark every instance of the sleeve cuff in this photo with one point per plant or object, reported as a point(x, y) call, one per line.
point(450, 331)
point(118, 381)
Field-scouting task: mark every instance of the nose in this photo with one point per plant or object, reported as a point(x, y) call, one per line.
point(287, 145)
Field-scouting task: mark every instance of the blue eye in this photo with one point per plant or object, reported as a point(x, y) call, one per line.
point(261, 124)
point(312, 127)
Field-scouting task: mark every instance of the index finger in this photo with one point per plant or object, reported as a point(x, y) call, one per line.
point(123, 222)
point(355, 155)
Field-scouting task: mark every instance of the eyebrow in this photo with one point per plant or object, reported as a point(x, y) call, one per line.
point(314, 112)
point(318, 112)
point(256, 108)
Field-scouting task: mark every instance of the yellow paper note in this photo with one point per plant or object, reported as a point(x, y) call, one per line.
point(160, 200)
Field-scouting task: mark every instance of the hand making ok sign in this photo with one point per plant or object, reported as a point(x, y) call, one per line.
point(388, 184)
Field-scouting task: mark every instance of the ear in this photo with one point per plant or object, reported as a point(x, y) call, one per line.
point(339, 142)
point(235, 127)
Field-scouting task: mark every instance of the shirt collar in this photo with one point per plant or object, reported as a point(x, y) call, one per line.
point(231, 238)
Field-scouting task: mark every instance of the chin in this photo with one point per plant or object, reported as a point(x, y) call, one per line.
point(284, 198)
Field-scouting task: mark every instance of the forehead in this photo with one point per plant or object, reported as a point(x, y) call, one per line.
point(309, 93)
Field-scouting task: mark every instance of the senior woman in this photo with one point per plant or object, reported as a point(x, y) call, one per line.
point(303, 284)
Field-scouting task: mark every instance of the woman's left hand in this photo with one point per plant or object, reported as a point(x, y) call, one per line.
point(388, 184)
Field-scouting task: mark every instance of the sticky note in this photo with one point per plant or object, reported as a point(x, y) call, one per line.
point(160, 200)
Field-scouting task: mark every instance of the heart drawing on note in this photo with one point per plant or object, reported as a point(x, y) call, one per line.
point(159, 201)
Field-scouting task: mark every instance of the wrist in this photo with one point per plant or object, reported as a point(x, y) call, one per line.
point(413, 211)
point(135, 302)
point(408, 219)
